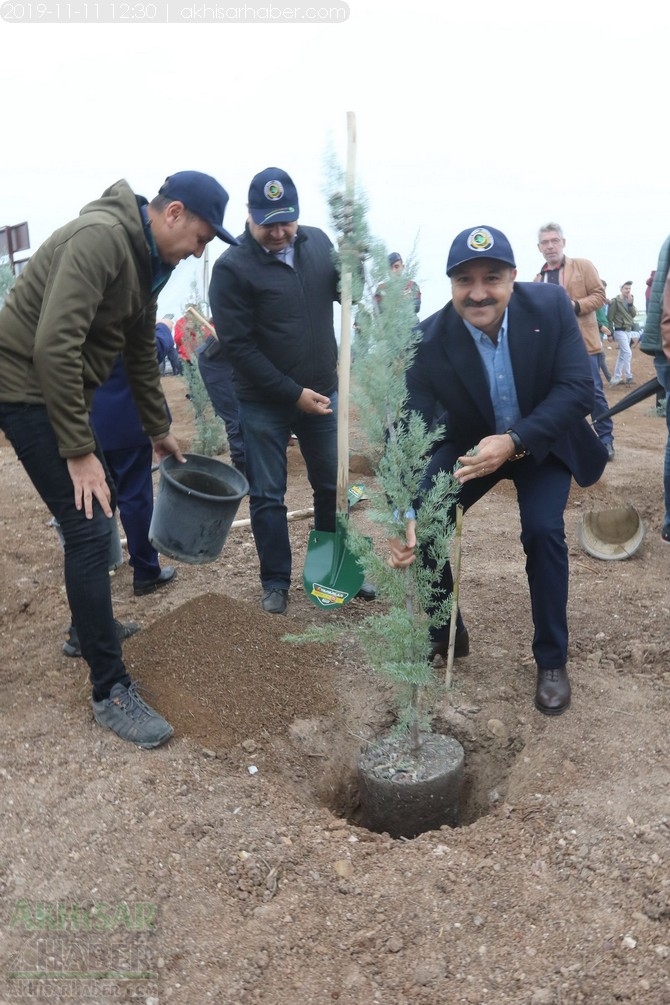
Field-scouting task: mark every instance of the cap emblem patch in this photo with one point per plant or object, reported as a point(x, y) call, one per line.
point(273, 190)
point(480, 240)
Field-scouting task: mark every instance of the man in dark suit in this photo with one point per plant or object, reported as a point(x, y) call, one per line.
point(509, 364)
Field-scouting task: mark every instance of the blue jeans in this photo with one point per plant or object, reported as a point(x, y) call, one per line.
point(622, 369)
point(217, 376)
point(662, 365)
point(542, 493)
point(266, 429)
point(131, 472)
point(29, 431)
point(604, 428)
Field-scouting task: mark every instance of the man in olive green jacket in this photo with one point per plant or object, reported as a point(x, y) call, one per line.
point(87, 294)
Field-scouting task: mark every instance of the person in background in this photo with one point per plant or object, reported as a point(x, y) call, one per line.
point(397, 267)
point(606, 336)
point(655, 341)
point(621, 316)
point(217, 376)
point(579, 278)
point(647, 288)
point(166, 350)
point(128, 452)
point(87, 295)
point(509, 364)
point(186, 335)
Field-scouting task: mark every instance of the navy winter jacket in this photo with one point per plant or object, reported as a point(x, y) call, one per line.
point(276, 322)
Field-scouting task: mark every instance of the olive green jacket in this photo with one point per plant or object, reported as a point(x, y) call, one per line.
point(621, 315)
point(84, 297)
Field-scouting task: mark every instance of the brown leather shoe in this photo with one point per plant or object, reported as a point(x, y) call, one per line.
point(461, 646)
point(552, 695)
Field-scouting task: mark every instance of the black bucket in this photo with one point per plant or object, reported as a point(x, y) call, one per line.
point(195, 505)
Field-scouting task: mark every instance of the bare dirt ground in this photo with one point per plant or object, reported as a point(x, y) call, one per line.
point(228, 866)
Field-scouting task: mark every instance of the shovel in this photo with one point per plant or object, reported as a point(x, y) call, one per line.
point(332, 575)
point(639, 394)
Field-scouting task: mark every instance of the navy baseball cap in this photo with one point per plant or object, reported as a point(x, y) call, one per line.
point(273, 198)
point(479, 242)
point(394, 257)
point(201, 195)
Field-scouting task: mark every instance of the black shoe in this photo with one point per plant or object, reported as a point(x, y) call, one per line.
point(610, 451)
point(366, 592)
point(665, 535)
point(124, 631)
point(275, 601)
point(552, 695)
point(461, 646)
point(165, 576)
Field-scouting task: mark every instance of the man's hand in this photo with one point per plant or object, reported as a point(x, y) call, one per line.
point(490, 454)
point(313, 403)
point(164, 446)
point(88, 478)
point(403, 551)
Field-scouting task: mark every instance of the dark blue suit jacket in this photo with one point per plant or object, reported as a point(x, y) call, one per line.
point(552, 374)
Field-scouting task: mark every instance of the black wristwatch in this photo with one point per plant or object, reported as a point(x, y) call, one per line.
point(519, 449)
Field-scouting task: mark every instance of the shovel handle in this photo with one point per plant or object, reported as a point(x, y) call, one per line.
point(458, 534)
point(294, 514)
point(203, 321)
point(344, 370)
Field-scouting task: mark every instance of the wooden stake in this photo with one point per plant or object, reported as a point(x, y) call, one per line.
point(456, 571)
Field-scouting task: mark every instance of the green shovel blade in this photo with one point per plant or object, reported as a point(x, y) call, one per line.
point(331, 575)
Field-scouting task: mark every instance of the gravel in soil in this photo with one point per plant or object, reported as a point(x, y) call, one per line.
point(229, 867)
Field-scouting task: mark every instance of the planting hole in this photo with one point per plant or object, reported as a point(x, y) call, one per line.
point(488, 757)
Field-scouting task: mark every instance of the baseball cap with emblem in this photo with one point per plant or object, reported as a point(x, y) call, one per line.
point(479, 242)
point(273, 198)
point(201, 195)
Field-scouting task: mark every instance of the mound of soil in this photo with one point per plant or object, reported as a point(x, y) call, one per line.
point(229, 866)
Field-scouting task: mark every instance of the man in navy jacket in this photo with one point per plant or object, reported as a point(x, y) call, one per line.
point(508, 362)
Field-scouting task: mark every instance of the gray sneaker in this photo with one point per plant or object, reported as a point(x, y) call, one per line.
point(127, 715)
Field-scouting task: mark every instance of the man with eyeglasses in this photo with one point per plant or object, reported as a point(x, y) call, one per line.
point(579, 277)
point(272, 306)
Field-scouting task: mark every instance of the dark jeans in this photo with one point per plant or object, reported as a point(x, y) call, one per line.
point(604, 428)
point(131, 472)
point(28, 429)
point(217, 376)
point(662, 366)
point(542, 493)
point(266, 429)
point(174, 359)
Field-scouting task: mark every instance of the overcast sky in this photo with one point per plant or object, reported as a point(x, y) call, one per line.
point(508, 114)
